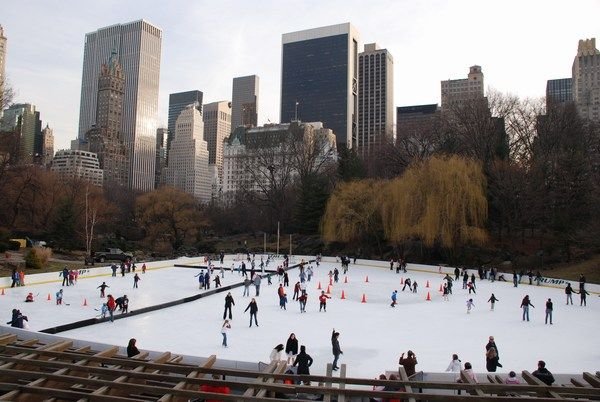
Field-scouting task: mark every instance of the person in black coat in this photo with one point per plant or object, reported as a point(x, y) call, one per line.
point(543, 374)
point(228, 303)
point(303, 361)
point(291, 348)
point(132, 350)
point(253, 307)
point(335, 345)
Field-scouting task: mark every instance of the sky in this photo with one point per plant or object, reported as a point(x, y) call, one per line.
point(519, 44)
point(372, 334)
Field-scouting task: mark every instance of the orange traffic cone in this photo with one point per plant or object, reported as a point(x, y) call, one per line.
point(401, 281)
point(428, 297)
point(328, 290)
point(367, 278)
point(364, 299)
point(85, 302)
point(441, 288)
point(345, 279)
point(319, 287)
point(49, 298)
point(343, 295)
point(427, 284)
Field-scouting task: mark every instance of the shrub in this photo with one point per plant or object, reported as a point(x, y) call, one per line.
point(37, 257)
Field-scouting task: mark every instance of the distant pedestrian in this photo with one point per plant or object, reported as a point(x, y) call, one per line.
point(470, 305)
point(247, 283)
point(257, 280)
point(323, 301)
point(224, 330)
point(549, 308)
point(543, 374)
point(582, 295)
point(59, 297)
point(253, 307)
point(302, 300)
point(569, 292)
point(409, 362)
point(132, 349)
point(493, 301)
point(337, 351)
point(136, 279)
point(525, 306)
point(102, 288)
point(65, 276)
point(394, 297)
point(143, 268)
point(112, 305)
point(228, 303)
point(291, 348)
point(303, 361)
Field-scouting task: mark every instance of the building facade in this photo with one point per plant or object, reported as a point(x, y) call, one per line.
point(319, 79)
point(105, 138)
point(586, 80)
point(188, 165)
point(252, 155)
point(76, 164)
point(177, 104)
point(24, 121)
point(461, 91)
point(138, 47)
point(244, 101)
point(375, 99)
point(217, 127)
point(162, 137)
point(414, 122)
point(559, 91)
point(48, 146)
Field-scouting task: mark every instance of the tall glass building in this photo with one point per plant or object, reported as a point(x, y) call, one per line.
point(244, 101)
point(319, 79)
point(138, 48)
point(559, 90)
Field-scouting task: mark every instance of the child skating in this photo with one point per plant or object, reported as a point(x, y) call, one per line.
point(470, 305)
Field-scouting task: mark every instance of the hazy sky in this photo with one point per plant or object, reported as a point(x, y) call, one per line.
point(519, 44)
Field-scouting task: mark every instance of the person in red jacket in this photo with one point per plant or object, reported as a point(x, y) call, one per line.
point(112, 305)
point(217, 389)
point(323, 301)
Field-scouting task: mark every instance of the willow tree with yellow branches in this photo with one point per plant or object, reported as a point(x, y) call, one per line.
point(353, 213)
point(441, 201)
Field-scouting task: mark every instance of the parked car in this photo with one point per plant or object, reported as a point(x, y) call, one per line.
point(112, 254)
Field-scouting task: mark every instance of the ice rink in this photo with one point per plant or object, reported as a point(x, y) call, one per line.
point(372, 334)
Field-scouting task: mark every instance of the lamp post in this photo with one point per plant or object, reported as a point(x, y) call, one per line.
point(296, 111)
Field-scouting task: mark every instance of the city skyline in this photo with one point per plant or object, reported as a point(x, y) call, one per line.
point(517, 47)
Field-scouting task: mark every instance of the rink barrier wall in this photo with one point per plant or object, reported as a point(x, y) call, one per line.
point(434, 269)
point(92, 321)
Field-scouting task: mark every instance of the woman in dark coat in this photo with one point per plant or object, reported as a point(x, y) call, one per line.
point(303, 361)
point(291, 348)
point(491, 360)
point(132, 350)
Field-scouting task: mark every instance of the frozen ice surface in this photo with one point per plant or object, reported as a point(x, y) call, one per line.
point(372, 334)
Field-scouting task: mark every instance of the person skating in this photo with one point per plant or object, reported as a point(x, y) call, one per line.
point(549, 308)
point(409, 362)
point(253, 307)
point(492, 344)
point(247, 283)
point(336, 275)
point(394, 298)
point(286, 279)
point(113, 268)
point(143, 268)
point(456, 273)
point(228, 303)
point(414, 286)
point(291, 348)
point(525, 306)
point(470, 305)
point(471, 287)
point(136, 279)
point(29, 298)
point(335, 345)
point(473, 281)
point(493, 301)
point(296, 291)
point(59, 297)
point(200, 277)
point(103, 310)
point(303, 361)
point(65, 276)
point(445, 292)
point(323, 301)
point(583, 296)
point(283, 301)
point(581, 282)
point(112, 305)
point(102, 288)
point(132, 349)
point(217, 281)
point(455, 366)
point(224, 330)
point(18, 319)
point(302, 301)
point(569, 292)
point(257, 279)
point(492, 359)
point(125, 305)
point(543, 374)
point(407, 282)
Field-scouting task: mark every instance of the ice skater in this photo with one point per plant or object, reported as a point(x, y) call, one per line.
point(136, 279)
point(59, 297)
point(302, 300)
point(323, 301)
point(224, 330)
point(525, 306)
point(493, 301)
point(569, 292)
point(394, 298)
point(470, 305)
point(335, 346)
point(228, 303)
point(549, 308)
point(283, 301)
point(253, 307)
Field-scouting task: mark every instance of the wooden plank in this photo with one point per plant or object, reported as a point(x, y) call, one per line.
point(593, 380)
point(7, 338)
point(404, 377)
point(342, 397)
point(184, 384)
point(328, 374)
point(467, 380)
point(279, 369)
point(578, 383)
point(267, 370)
point(542, 391)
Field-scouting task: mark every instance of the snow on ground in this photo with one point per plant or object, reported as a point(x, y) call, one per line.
point(372, 334)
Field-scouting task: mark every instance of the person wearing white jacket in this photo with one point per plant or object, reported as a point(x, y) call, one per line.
point(455, 366)
point(276, 353)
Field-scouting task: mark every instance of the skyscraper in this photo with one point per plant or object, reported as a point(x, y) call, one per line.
point(460, 91)
point(24, 121)
point(188, 166)
point(138, 48)
point(2, 68)
point(48, 146)
point(217, 127)
point(105, 138)
point(375, 98)
point(559, 91)
point(586, 84)
point(162, 136)
point(177, 103)
point(319, 79)
point(244, 101)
